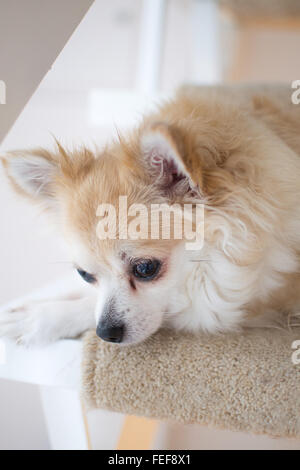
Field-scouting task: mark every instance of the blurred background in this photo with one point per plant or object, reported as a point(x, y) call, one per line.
point(122, 56)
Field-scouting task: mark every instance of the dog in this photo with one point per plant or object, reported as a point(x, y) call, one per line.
point(233, 150)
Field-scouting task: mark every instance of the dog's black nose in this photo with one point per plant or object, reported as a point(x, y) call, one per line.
point(111, 333)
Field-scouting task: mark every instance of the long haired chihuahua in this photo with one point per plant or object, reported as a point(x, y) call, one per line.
point(233, 151)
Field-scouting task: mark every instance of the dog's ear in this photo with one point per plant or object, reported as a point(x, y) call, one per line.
point(32, 173)
point(164, 153)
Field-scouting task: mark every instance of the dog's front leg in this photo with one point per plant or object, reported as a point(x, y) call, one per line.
point(39, 322)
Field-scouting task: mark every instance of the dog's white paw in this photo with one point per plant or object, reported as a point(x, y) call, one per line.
point(29, 325)
point(38, 323)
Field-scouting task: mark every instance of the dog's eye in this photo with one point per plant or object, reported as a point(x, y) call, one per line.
point(146, 270)
point(86, 276)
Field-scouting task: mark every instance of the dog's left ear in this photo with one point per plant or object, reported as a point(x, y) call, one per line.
point(164, 155)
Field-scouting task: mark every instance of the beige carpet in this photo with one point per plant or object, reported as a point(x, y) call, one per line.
point(244, 382)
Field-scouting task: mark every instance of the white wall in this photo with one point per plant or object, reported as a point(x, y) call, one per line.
point(28, 46)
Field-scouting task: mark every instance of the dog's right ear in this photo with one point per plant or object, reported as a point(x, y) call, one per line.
point(33, 173)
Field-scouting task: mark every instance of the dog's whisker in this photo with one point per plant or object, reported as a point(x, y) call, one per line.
point(198, 260)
